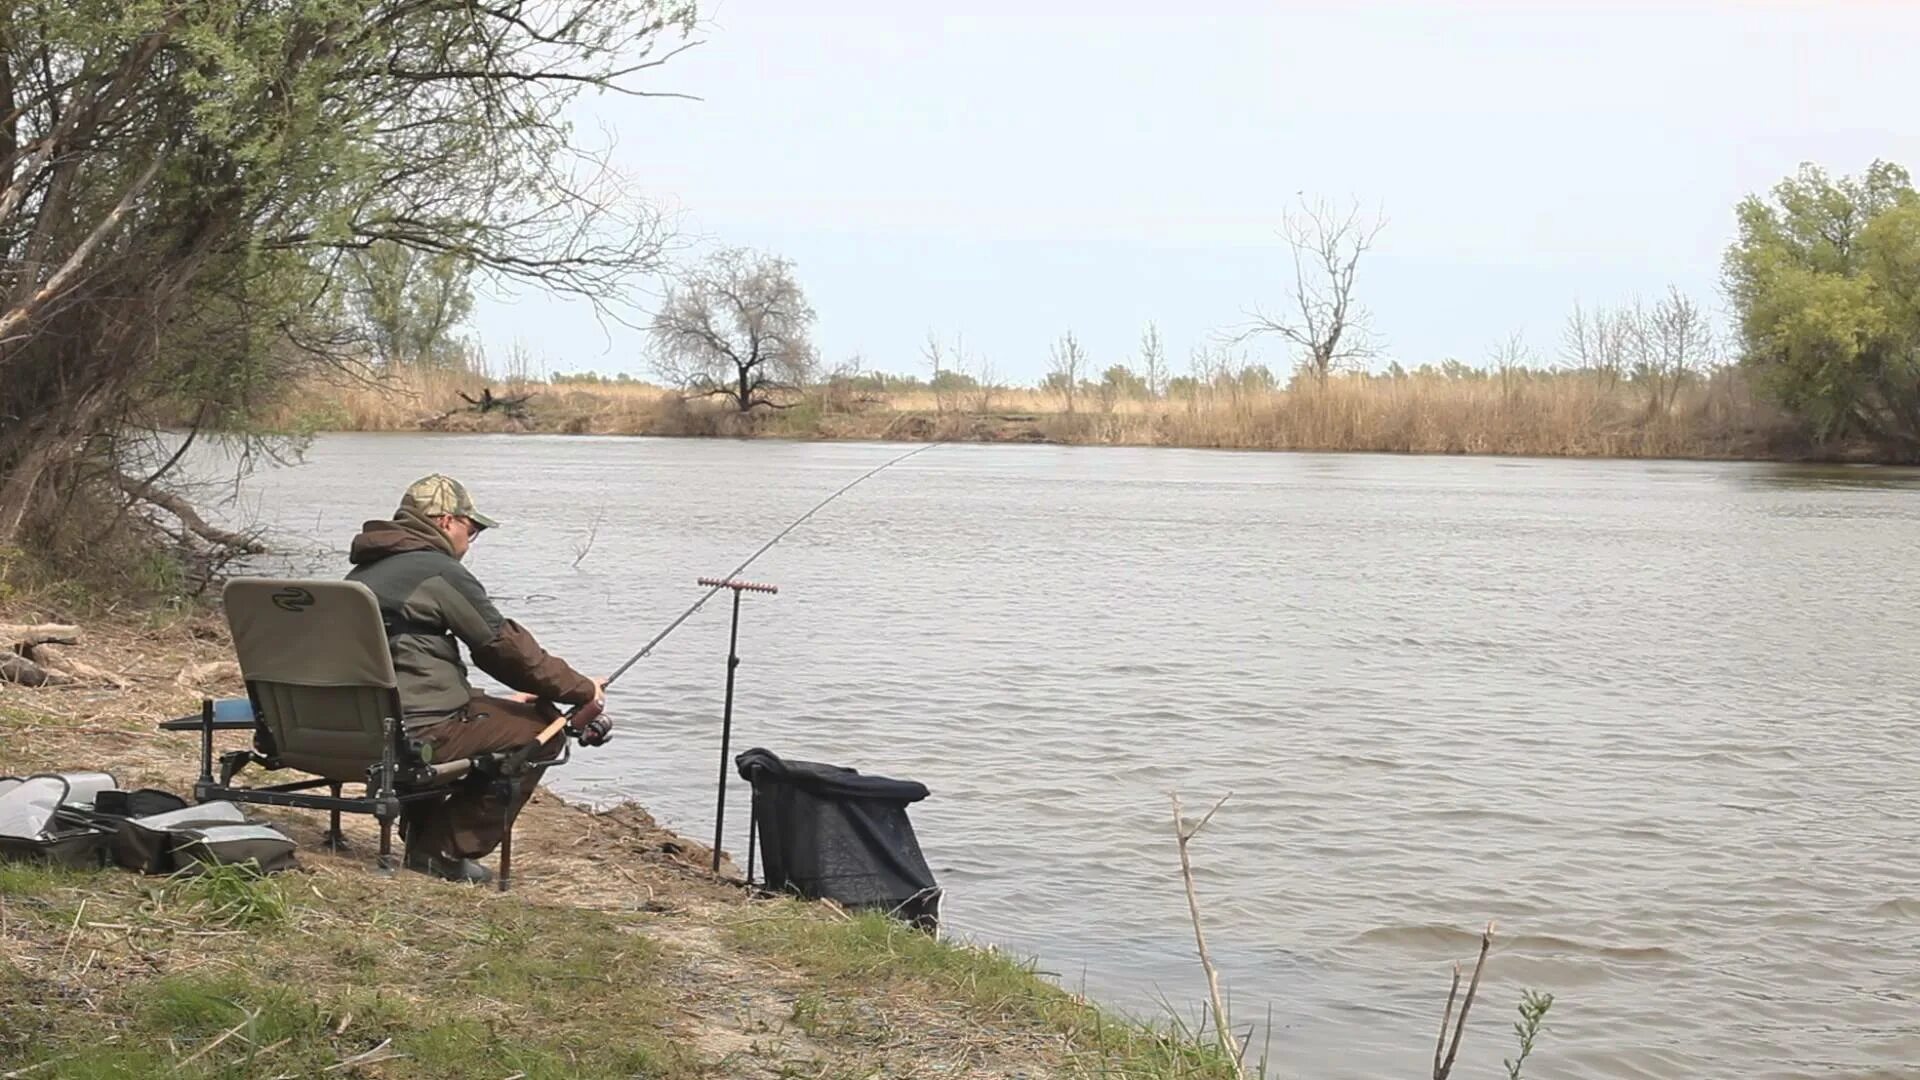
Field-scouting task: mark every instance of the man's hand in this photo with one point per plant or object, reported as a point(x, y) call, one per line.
point(521, 696)
point(590, 723)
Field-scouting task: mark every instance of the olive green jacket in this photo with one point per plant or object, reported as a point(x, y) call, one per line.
point(431, 604)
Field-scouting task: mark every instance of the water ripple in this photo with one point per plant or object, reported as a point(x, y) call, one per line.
point(1650, 717)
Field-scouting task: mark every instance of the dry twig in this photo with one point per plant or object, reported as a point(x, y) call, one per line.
point(1441, 1068)
point(1184, 835)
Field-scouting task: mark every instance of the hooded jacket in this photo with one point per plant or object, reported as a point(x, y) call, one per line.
point(431, 603)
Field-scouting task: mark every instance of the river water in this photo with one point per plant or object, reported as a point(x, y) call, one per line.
point(1654, 718)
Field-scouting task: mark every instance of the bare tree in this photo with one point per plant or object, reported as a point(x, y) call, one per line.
point(1063, 373)
point(1153, 361)
point(1511, 360)
point(1672, 344)
point(986, 383)
point(1597, 341)
point(1325, 326)
point(736, 328)
point(934, 361)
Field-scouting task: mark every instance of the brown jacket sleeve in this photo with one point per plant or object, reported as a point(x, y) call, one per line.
point(515, 658)
point(503, 648)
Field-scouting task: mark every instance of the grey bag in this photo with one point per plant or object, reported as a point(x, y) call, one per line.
point(33, 828)
point(147, 844)
point(265, 846)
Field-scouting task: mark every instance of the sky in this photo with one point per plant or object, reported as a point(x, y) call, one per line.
point(1025, 170)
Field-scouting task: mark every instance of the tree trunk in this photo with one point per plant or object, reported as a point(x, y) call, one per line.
point(16, 494)
point(746, 389)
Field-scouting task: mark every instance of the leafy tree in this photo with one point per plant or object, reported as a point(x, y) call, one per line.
point(737, 328)
point(1122, 383)
point(184, 185)
point(409, 302)
point(1825, 283)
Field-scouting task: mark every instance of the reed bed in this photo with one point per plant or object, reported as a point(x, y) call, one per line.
point(1526, 413)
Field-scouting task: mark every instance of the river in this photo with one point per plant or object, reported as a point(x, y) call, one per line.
point(1655, 718)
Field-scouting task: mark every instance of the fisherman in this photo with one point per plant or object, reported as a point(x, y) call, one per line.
point(431, 602)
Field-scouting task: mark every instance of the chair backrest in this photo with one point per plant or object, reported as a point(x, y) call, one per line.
point(314, 656)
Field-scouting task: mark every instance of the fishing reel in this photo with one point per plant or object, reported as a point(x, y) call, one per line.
point(590, 724)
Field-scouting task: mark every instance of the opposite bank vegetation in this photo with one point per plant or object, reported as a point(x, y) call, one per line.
point(1823, 280)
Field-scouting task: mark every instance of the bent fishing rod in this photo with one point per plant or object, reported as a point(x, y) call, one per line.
point(724, 582)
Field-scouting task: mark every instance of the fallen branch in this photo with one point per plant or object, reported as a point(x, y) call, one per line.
point(15, 668)
point(21, 636)
point(205, 674)
point(197, 525)
point(56, 661)
point(1183, 835)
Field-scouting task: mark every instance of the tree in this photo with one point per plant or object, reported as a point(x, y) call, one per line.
point(1121, 383)
point(409, 303)
point(1598, 342)
point(1671, 343)
point(1825, 285)
point(1512, 359)
point(182, 186)
point(1325, 327)
point(736, 328)
point(947, 368)
point(1067, 359)
point(1153, 361)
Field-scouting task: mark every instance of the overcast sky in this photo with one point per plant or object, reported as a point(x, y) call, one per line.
point(1036, 168)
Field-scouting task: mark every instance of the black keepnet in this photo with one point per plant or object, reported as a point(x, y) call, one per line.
point(827, 832)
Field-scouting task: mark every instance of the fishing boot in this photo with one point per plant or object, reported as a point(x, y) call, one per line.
point(462, 870)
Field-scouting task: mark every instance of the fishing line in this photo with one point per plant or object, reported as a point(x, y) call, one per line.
point(764, 548)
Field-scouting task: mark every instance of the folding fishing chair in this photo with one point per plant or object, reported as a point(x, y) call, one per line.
point(324, 701)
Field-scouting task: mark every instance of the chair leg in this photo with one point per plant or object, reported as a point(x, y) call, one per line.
point(506, 857)
point(336, 840)
point(386, 845)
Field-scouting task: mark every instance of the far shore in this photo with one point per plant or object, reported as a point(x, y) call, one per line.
point(1563, 416)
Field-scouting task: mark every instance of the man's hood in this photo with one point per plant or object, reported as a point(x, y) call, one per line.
point(407, 531)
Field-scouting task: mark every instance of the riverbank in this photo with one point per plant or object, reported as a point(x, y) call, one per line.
point(1526, 413)
point(615, 954)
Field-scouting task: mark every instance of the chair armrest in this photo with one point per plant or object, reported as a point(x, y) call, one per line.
point(229, 714)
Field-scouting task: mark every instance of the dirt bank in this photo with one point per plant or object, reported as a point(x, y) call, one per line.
point(615, 954)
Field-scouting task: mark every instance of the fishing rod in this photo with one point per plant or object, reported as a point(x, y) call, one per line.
point(723, 582)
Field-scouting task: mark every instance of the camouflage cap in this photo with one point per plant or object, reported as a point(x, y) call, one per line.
point(432, 496)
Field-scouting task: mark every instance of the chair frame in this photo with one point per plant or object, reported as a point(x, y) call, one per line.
point(401, 776)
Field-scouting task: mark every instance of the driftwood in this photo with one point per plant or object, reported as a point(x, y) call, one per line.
point(15, 668)
point(208, 673)
point(19, 636)
point(140, 491)
point(59, 662)
point(488, 401)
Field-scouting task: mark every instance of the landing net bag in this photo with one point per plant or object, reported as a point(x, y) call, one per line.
point(828, 833)
point(33, 828)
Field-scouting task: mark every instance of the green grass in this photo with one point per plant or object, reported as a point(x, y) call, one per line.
point(231, 896)
point(21, 880)
point(873, 952)
point(241, 981)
